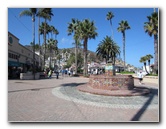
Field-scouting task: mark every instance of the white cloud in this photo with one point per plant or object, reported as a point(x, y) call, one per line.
point(64, 40)
point(65, 43)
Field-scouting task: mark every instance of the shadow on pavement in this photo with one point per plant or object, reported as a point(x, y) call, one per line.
point(72, 84)
point(151, 95)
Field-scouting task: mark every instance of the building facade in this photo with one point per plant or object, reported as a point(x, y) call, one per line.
point(20, 59)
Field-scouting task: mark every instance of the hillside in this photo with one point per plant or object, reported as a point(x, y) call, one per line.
point(91, 54)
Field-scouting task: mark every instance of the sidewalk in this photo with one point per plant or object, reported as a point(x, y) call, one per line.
point(58, 100)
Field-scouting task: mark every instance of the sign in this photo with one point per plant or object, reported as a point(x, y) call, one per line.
point(108, 67)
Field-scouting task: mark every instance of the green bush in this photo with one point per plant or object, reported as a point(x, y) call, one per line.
point(79, 70)
point(126, 72)
point(152, 75)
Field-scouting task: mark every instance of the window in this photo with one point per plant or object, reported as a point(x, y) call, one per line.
point(14, 56)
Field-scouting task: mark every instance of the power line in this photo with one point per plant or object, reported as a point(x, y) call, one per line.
point(20, 21)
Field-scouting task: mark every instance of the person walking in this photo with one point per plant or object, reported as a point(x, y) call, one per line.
point(140, 77)
point(49, 74)
point(57, 74)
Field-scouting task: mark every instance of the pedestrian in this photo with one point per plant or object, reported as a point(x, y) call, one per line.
point(50, 74)
point(69, 73)
point(57, 74)
point(140, 77)
point(63, 73)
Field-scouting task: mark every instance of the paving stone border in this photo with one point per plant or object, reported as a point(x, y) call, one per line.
point(70, 93)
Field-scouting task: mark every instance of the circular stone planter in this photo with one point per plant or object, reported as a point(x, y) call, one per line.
point(105, 82)
point(119, 85)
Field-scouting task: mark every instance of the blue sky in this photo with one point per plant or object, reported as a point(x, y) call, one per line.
point(138, 43)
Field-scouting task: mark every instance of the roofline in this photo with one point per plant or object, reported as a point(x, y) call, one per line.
point(13, 35)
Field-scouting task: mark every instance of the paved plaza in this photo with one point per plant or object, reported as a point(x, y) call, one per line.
point(58, 100)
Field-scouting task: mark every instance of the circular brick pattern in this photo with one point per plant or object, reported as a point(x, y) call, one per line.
point(71, 93)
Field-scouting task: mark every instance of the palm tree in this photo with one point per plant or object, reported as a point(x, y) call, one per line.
point(109, 17)
point(151, 27)
point(108, 49)
point(52, 45)
point(55, 32)
point(72, 28)
point(123, 26)
point(39, 33)
point(100, 51)
point(32, 13)
point(86, 30)
point(46, 13)
point(36, 46)
point(143, 60)
point(59, 57)
point(149, 57)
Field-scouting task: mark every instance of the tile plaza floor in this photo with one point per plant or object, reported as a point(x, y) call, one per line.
point(58, 100)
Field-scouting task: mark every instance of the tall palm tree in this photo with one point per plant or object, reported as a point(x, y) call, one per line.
point(86, 30)
point(52, 45)
point(39, 33)
point(108, 49)
point(32, 13)
point(109, 17)
point(42, 30)
point(123, 26)
point(46, 13)
point(55, 32)
point(151, 27)
point(73, 28)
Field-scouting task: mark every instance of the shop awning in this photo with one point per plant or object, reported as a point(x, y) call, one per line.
point(13, 63)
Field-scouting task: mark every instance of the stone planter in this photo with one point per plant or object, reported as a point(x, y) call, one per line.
point(29, 76)
point(105, 82)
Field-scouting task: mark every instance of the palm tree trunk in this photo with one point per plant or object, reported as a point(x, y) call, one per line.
point(124, 50)
point(156, 54)
point(113, 59)
point(44, 42)
point(149, 63)
point(112, 30)
point(85, 57)
point(145, 68)
point(33, 47)
point(50, 59)
point(76, 56)
point(39, 42)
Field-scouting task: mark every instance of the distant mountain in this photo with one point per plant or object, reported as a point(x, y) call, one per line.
point(73, 50)
point(91, 54)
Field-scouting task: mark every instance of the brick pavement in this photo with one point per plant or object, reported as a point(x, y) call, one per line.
point(33, 100)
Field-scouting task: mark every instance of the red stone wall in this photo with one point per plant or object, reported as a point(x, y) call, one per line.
point(111, 82)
